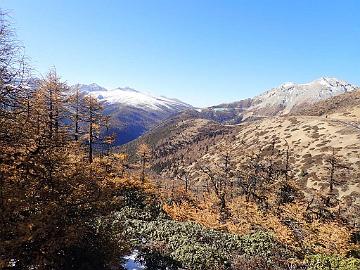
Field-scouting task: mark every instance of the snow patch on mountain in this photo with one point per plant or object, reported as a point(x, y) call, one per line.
point(131, 97)
point(289, 95)
point(87, 88)
point(135, 98)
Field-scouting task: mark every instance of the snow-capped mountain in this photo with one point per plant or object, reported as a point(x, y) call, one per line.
point(130, 97)
point(133, 112)
point(135, 98)
point(286, 97)
point(87, 88)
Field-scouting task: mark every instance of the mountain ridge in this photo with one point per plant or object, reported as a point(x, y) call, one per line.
point(130, 96)
point(132, 112)
point(291, 95)
point(135, 112)
point(280, 100)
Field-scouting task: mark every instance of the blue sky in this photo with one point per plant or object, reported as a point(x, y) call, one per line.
point(203, 52)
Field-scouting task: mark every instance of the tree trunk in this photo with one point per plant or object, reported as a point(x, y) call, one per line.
point(90, 142)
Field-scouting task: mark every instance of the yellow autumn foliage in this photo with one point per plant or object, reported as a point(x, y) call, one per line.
point(245, 217)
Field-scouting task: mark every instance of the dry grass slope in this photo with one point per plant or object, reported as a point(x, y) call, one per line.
point(312, 135)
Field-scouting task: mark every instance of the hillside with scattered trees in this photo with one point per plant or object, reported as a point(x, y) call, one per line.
point(193, 194)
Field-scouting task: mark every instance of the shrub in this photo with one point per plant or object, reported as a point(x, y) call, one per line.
point(333, 262)
point(195, 246)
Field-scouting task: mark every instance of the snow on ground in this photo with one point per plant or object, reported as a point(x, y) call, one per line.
point(131, 263)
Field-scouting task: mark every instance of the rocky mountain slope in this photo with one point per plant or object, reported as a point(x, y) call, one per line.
point(289, 96)
point(282, 100)
point(133, 112)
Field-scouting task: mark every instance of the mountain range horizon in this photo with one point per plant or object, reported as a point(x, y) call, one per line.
point(134, 112)
point(93, 86)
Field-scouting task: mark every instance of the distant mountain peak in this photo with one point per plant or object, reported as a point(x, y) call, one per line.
point(95, 85)
point(287, 84)
point(89, 87)
point(325, 81)
point(127, 96)
point(330, 81)
point(284, 98)
point(127, 89)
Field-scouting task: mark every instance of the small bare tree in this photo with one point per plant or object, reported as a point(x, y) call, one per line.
point(335, 167)
point(182, 173)
point(252, 176)
point(144, 153)
point(220, 179)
